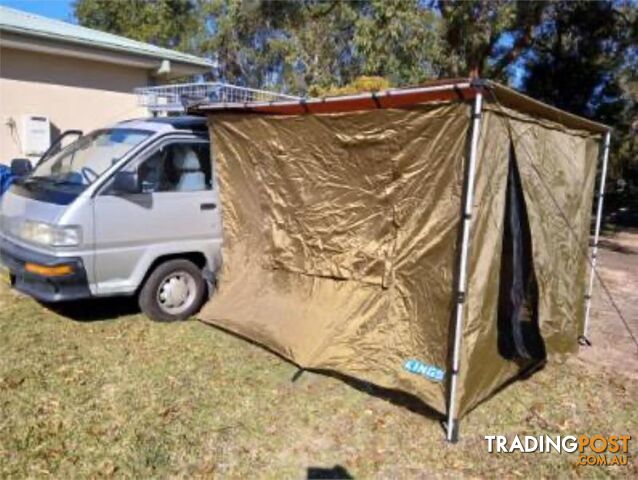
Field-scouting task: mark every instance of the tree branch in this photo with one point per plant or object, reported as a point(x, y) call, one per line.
point(523, 43)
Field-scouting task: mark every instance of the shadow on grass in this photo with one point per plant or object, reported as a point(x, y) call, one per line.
point(95, 310)
point(396, 397)
point(336, 472)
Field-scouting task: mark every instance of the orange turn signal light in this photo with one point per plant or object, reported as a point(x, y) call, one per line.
point(56, 271)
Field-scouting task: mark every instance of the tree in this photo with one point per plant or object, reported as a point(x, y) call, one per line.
point(482, 38)
point(299, 44)
point(330, 43)
point(585, 60)
point(398, 40)
point(287, 43)
point(166, 23)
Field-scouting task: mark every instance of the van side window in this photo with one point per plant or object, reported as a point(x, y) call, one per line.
point(177, 167)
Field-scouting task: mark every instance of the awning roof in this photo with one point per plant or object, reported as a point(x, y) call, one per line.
point(438, 91)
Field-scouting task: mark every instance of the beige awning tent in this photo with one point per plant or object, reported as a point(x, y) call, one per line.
point(431, 240)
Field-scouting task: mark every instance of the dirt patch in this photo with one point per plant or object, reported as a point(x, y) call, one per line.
point(612, 344)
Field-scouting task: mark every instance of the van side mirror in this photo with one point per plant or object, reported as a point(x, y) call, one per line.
point(126, 182)
point(21, 167)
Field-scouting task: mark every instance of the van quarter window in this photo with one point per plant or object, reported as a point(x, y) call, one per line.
point(177, 167)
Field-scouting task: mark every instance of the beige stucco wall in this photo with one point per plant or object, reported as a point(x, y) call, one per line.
point(74, 93)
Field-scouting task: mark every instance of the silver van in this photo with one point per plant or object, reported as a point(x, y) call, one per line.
point(132, 209)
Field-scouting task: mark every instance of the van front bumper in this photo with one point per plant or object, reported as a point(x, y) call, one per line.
point(46, 288)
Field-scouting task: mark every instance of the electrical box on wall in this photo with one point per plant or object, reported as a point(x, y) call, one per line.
point(35, 134)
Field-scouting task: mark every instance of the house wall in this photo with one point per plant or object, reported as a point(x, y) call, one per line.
point(74, 94)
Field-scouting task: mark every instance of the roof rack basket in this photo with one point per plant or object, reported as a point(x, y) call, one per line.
point(175, 99)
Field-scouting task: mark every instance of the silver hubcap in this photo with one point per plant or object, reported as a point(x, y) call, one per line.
point(176, 292)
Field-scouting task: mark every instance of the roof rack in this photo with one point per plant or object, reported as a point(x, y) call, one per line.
point(178, 97)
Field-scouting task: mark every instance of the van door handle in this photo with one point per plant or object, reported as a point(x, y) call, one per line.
point(207, 206)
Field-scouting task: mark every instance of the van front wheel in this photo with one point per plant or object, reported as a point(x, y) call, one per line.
point(173, 291)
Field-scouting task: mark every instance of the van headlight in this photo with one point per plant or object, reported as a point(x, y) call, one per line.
point(50, 235)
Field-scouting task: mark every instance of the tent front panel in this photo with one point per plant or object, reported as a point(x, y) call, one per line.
point(557, 169)
point(340, 238)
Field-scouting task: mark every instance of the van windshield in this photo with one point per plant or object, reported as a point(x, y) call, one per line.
point(85, 160)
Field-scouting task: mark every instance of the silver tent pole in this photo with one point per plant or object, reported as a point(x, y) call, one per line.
point(452, 421)
point(599, 213)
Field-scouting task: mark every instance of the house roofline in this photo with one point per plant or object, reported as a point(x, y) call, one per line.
point(35, 30)
point(56, 46)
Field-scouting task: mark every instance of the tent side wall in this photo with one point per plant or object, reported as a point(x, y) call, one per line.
point(557, 169)
point(340, 238)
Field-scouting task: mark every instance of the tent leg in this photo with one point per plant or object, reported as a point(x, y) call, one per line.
point(468, 194)
point(452, 434)
point(583, 340)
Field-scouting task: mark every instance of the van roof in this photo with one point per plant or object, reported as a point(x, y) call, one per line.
point(183, 122)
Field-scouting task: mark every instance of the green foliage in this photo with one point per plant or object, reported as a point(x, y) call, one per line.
point(580, 56)
point(398, 40)
point(166, 23)
point(300, 45)
point(247, 39)
point(473, 34)
point(358, 85)
point(584, 59)
point(579, 45)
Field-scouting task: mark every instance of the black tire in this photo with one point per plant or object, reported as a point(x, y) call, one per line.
point(152, 300)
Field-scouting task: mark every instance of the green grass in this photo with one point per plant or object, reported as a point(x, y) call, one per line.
point(126, 397)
